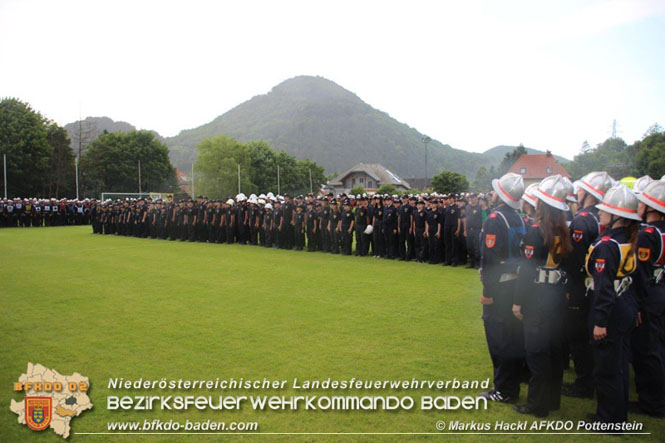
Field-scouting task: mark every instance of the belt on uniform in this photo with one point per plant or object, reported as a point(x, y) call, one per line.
point(507, 276)
point(620, 285)
point(550, 276)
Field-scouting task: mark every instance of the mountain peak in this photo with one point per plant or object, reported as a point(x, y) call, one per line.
point(312, 88)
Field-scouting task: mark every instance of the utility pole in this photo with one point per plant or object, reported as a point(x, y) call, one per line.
point(614, 128)
point(310, 180)
point(4, 162)
point(193, 180)
point(139, 176)
point(426, 139)
point(238, 178)
point(77, 178)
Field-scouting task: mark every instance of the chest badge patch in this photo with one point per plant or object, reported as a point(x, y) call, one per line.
point(643, 254)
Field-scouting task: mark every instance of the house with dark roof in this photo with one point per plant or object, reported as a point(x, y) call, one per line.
point(370, 176)
point(535, 167)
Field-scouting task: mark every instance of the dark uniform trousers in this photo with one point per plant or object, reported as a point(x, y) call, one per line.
point(451, 244)
point(648, 352)
point(505, 339)
point(543, 339)
point(361, 240)
point(433, 244)
point(611, 358)
point(473, 245)
point(378, 246)
point(390, 241)
point(419, 241)
point(578, 340)
point(347, 240)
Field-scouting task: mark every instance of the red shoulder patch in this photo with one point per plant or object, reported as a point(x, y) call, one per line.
point(535, 225)
point(578, 235)
point(584, 214)
point(493, 215)
point(528, 251)
point(490, 240)
point(600, 265)
point(649, 230)
point(606, 238)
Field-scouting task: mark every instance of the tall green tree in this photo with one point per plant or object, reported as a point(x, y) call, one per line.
point(61, 178)
point(23, 138)
point(111, 164)
point(263, 166)
point(307, 167)
point(612, 156)
point(447, 182)
point(650, 158)
point(483, 180)
point(216, 167)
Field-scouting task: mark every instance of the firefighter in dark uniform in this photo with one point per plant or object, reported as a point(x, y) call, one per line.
point(299, 227)
point(346, 227)
point(335, 217)
point(473, 223)
point(584, 230)
point(613, 310)
point(361, 222)
point(419, 224)
point(378, 241)
point(311, 227)
point(540, 298)
point(450, 229)
point(499, 258)
point(648, 338)
point(277, 224)
point(286, 233)
point(266, 225)
point(404, 221)
point(433, 230)
point(324, 223)
point(230, 221)
point(389, 227)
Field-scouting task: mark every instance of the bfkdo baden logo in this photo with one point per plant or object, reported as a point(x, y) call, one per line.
point(52, 400)
point(38, 412)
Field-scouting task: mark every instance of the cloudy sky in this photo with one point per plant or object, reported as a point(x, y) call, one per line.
point(474, 74)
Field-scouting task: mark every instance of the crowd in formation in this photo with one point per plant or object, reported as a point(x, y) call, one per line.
point(569, 270)
point(27, 212)
point(425, 228)
point(578, 274)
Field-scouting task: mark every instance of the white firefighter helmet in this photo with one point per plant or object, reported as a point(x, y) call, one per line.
point(510, 188)
point(641, 184)
point(654, 195)
point(597, 183)
point(368, 230)
point(619, 200)
point(552, 190)
point(528, 194)
point(571, 195)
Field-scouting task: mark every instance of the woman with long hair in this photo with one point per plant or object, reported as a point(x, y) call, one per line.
point(609, 264)
point(540, 300)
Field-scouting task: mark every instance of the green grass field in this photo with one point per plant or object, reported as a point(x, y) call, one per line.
point(108, 306)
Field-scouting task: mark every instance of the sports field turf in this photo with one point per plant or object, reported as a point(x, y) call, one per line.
point(108, 306)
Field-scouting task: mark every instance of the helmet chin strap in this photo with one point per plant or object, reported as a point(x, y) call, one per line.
point(613, 220)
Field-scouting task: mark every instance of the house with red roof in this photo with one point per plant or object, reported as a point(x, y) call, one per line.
point(535, 167)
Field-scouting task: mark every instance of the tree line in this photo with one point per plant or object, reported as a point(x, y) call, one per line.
point(223, 163)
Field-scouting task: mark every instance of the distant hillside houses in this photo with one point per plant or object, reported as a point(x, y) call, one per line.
point(535, 167)
point(370, 176)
